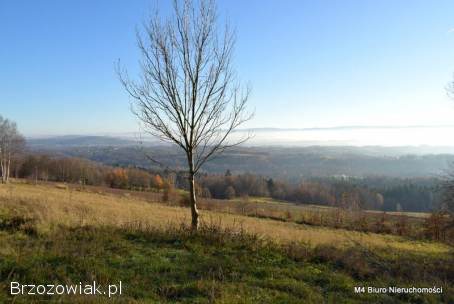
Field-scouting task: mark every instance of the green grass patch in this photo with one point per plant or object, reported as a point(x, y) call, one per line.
point(214, 265)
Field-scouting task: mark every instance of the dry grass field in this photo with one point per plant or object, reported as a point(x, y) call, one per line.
point(54, 204)
point(62, 234)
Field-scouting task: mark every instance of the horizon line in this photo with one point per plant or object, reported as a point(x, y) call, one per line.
point(276, 129)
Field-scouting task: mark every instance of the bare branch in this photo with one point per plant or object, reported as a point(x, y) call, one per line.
point(187, 92)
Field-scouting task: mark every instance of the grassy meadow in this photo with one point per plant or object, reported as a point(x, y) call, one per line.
point(67, 234)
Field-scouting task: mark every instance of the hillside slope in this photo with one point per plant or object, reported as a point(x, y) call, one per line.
point(51, 233)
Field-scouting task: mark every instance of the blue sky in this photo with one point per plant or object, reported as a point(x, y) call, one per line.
point(310, 63)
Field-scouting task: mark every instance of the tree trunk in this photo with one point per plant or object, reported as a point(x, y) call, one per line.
point(193, 201)
point(192, 195)
point(2, 168)
point(8, 165)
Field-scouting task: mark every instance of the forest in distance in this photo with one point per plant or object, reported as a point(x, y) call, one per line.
point(372, 178)
point(280, 161)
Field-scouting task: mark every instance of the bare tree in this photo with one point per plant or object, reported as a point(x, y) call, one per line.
point(450, 89)
point(11, 142)
point(447, 186)
point(447, 190)
point(187, 92)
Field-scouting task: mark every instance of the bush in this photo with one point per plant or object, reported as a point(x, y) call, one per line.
point(185, 200)
point(230, 192)
point(167, 192)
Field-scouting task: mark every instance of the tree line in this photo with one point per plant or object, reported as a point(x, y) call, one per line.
point(375, 193)
point(85, 172)
point(11, 142)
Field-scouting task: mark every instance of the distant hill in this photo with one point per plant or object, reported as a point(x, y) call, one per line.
point(276, 161)
point(60, 142)
point(415, 139)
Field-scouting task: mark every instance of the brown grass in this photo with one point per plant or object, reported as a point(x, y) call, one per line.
point(52, 205)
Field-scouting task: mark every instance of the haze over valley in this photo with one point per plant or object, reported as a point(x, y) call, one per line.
point(291, 153)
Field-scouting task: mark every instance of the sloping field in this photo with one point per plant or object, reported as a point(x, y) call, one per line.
point(54, 204)
point(53, 234)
